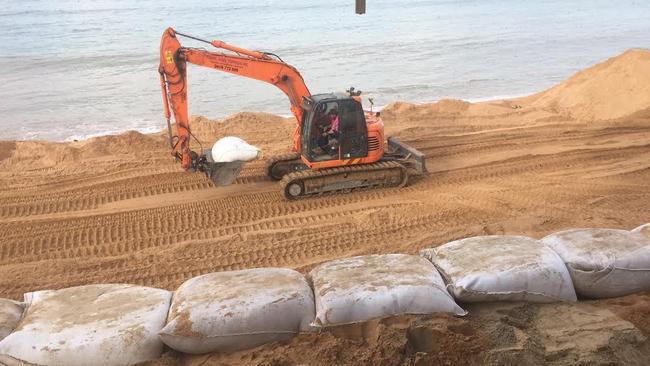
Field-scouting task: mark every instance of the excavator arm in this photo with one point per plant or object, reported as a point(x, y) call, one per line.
point(257, 65)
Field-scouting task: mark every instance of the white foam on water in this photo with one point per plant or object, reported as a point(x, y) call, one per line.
point(80, 137)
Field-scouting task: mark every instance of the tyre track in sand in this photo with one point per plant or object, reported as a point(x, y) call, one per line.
point(158, 226)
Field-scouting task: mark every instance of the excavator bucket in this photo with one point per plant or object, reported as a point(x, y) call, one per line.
point(407, 155)
point(221, 174)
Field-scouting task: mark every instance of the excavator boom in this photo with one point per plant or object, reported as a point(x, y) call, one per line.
point(252, 64)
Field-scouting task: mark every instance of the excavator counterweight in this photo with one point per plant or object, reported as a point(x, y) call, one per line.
point(337, 146)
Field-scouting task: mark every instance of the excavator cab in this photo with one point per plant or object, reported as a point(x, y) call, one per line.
point(333, 128)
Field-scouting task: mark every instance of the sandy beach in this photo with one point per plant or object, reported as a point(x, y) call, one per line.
point(118, 209)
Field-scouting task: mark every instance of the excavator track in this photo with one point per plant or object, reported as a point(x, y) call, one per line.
point(280, 165)
point(343, 179)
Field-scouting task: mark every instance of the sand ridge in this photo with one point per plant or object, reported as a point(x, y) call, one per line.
point(609, 90)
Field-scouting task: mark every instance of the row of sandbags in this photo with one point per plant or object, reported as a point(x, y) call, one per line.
point(217, 312)
point(228, 311)
point(594, 263)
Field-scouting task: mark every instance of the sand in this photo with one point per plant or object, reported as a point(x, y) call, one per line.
point(587, 333)
point(119, 209)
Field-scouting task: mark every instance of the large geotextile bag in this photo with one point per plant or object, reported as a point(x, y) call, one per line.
point(502, 268)
point(230, 148)
point(604, 262)
point(89, 325)
point(229, 311)
point(361, 288)
point(10, 314)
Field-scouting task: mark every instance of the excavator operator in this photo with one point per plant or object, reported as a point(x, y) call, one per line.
point(333, 132)
point(329, 126)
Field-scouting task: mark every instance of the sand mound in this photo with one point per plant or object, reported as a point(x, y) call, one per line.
point(261, 129)
point(444, 107)
point(248, 125)
point(616, 88)
point(449, 106)
point(124, 143)
point(407, 121)
point(271, 133)
point(612, 89)
point(397, 108)
point(31, 155)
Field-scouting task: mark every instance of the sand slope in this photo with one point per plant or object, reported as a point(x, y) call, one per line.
point(612, 89)
point(119, 209)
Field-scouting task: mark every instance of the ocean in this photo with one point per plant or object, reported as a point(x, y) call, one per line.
point(72, 69)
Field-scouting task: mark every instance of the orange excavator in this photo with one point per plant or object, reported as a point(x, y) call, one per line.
point(337, 146)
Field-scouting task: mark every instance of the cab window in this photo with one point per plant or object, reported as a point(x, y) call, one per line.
point(323, 132)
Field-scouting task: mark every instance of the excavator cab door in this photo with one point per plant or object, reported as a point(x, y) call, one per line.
point(351, 139)
point(317, 143)
point(306, 133)
point(353, 135)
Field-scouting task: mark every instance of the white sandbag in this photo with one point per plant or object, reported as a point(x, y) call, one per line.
point(643, 229)
point(604, 262)
point(231, 148)
point(502, 268)
point(361, 288)
point(229, 311)
point(90, 325)
point(10, 314)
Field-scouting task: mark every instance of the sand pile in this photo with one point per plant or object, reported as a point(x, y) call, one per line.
point(442, 108)
point(37, 155)
point(450, 116)
point(267, 131)
point(32, 155)
point(612, 89)
point(130, 142)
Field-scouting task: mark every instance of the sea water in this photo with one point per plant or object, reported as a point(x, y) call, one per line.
point(77, 68)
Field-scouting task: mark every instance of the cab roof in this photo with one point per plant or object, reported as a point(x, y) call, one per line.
point(316, 98)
